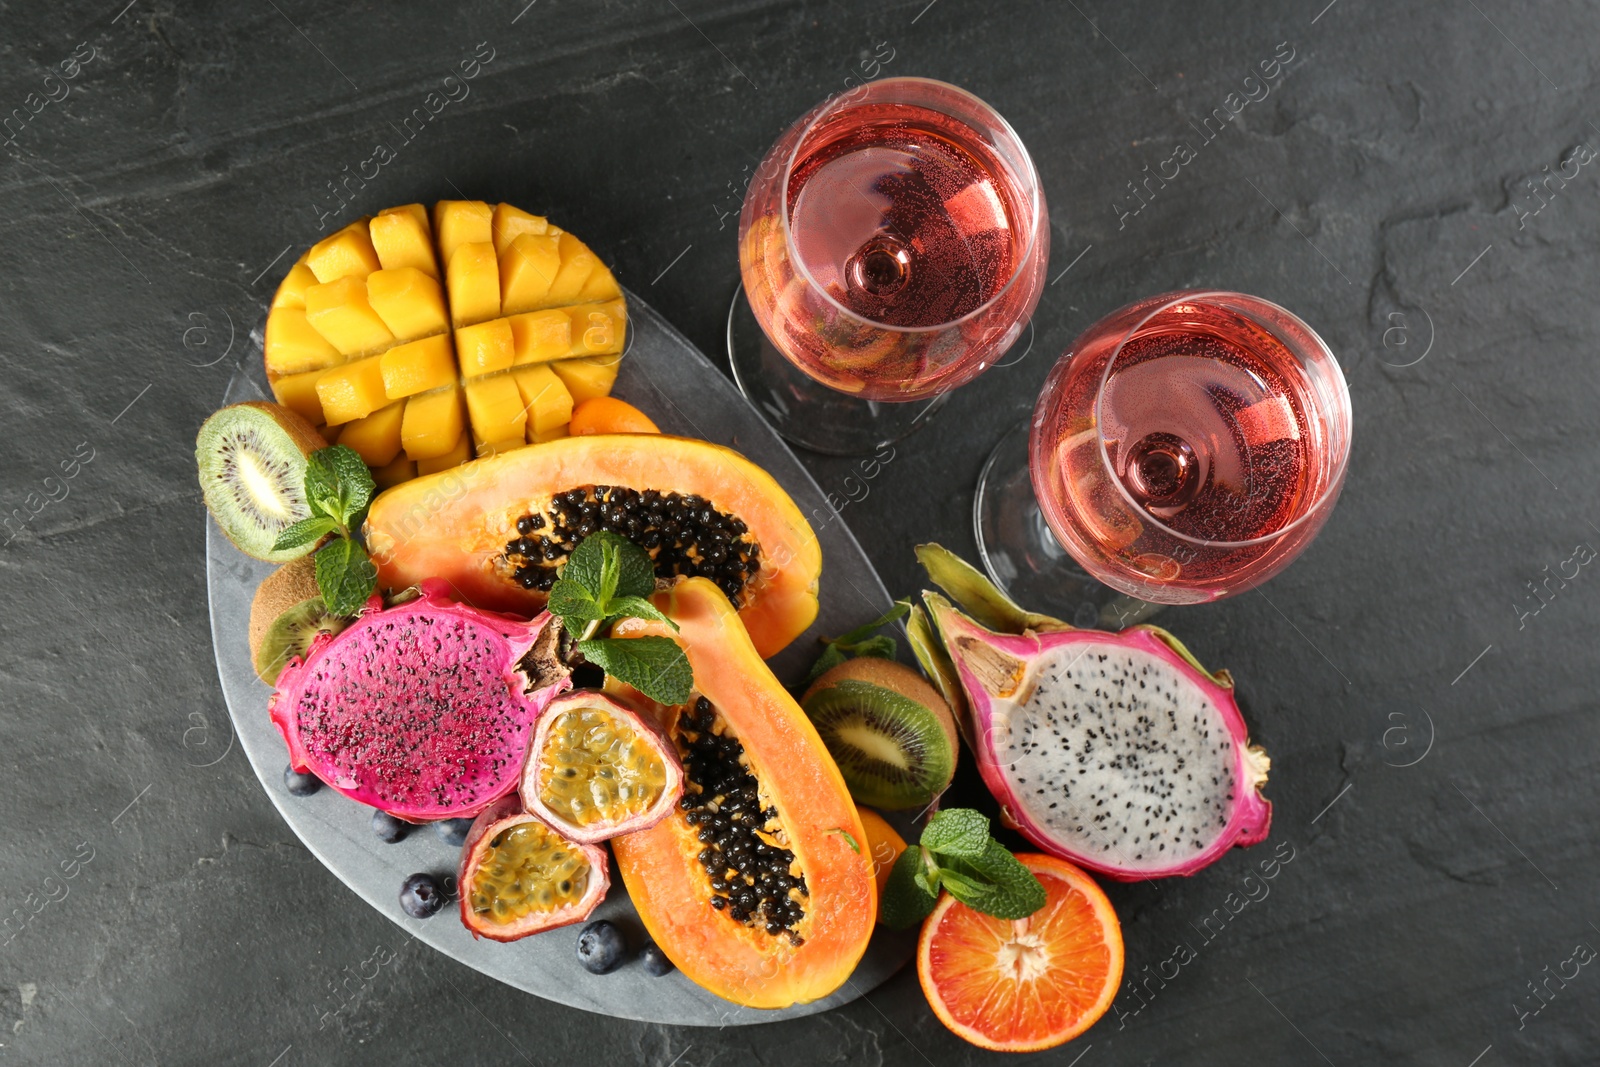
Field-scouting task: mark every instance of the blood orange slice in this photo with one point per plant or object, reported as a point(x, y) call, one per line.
point(1026, 984)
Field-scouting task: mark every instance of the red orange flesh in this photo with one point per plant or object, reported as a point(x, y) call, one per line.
point(1027, 984)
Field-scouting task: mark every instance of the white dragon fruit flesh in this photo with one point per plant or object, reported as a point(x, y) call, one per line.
point(1117, 751)
point(424, 709)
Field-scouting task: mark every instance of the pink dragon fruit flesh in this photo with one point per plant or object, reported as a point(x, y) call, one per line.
point(1117, 751)
point(423, 709)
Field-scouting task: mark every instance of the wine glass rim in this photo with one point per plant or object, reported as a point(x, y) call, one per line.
point(1336, 477)
point(1035, 202)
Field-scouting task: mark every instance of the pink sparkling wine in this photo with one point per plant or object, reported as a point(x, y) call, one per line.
point(906, 227)
point(1181, 461)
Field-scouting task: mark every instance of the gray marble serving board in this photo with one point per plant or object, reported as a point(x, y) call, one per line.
point(672, 382)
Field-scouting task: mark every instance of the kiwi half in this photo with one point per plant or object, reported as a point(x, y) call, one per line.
point(286, 616)
point(890, 732)
point(252, 460)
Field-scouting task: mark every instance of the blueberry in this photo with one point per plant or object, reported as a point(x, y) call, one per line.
point(421, 896)
point(388, 828)
point(601, 948)
point(300, 785)
point(453, 832)
point(654, 960)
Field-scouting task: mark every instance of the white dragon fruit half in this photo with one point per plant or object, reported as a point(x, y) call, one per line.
point(1117, 751)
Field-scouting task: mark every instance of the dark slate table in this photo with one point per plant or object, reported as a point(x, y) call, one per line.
point(1427, 696)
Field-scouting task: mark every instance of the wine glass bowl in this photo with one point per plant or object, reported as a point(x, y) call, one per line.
point(893, 242)
point(1188, 446)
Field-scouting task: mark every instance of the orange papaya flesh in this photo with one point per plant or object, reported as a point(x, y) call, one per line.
point(782, 953)
point(485, 526)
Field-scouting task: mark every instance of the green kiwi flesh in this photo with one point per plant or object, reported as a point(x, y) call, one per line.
point(291, 634)
point(889, 731)
point(252, 461)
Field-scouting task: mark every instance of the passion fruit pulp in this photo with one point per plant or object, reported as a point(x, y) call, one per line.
point(597, 769)
point(520, 876)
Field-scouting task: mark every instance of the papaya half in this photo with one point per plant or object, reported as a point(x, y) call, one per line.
point(498, 529)
point(758, 885)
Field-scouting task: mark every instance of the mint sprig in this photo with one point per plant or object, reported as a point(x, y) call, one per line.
point(338, 489)
point(956, 853)
point(608, 578)
point(862, 641)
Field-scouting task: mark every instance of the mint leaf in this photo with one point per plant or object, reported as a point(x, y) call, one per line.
point(882, 646)
point(635, 607)
point(574, 604)
point(861, 633)
point(608, 572)
point(906, 900)
point(831, 657)
point(996, 884)
point(636, 573)
point(339, 485)
point(958, 832)
point(587, 563)
point(345, 576)
point(862, 641)
point(655, 666)
point(957, 854)
point(304, 532)
point(849, 838)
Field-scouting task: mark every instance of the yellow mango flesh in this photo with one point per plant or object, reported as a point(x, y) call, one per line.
point(588, 378)
point(376, 437)
point(401, 469)
point(424, 314)
point(408, 300)
point(548, 403)
point(352, 391)
point(600, 286)
point(298, 393)
point(292, 346)
point(540, 336)
point(401, 240)
point(340, 312)
point(495, 409)
point(528, 267)
point(418, 367)
point(474, 281)
point(509, 223)
point(459, 222)
point(454, 457)
point(348, 253)
point(433, 424)
point(292, 290)
point(485, 348)
point(549, 435)
point(597, 329)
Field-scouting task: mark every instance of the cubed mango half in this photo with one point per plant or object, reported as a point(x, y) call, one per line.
point(352, 391)
point(377, 436)
point(417, 367)
point(433, 423)
point(495, 409)
point(348, 253)
point(340, 311)
point(409, 301)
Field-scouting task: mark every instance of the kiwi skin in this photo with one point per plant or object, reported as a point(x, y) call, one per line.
point(287, 597)
point(906, 682)
point(277, 593)
point(301, 434)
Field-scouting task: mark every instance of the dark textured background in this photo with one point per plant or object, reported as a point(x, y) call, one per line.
point(140, 215)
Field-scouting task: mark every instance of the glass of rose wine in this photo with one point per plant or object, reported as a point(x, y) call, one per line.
point(1184, 449)
point(892, 245)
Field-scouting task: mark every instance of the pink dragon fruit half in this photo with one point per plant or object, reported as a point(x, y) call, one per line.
point(424, 709)
point(1117, 751)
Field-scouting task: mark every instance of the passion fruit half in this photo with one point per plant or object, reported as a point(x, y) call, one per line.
point(519, 876)
point(596, 768)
